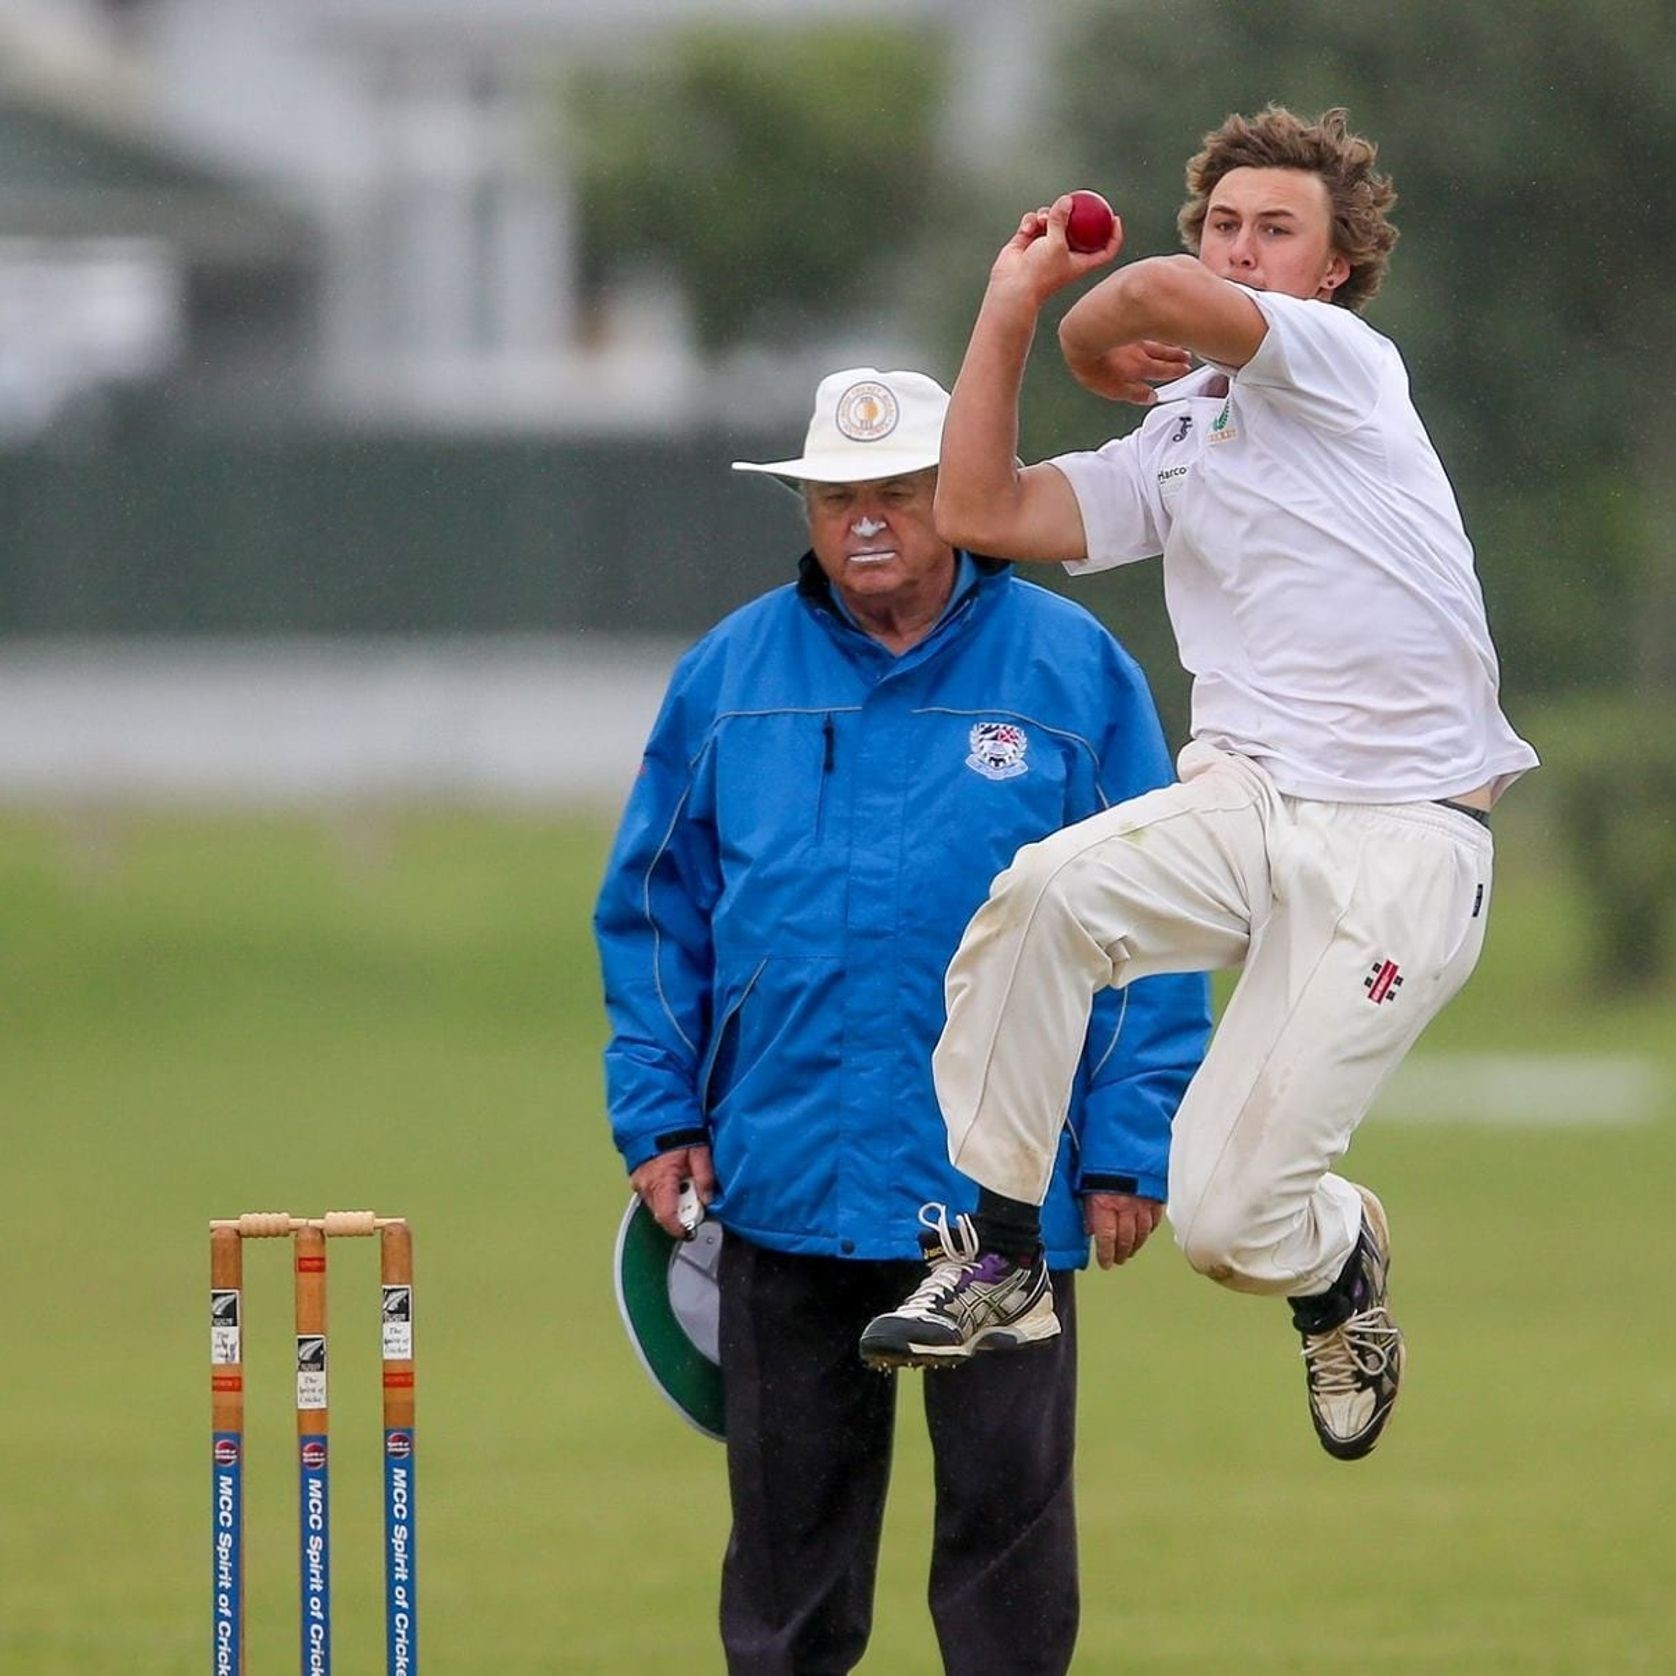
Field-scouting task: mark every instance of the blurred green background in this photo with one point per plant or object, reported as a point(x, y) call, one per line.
point(398, 1009)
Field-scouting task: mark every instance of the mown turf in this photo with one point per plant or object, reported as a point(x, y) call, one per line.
point(201, 1015)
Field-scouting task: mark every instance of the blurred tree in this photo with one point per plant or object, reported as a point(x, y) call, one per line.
point(775, 174)
point(1609, 774)
point(1532, 146)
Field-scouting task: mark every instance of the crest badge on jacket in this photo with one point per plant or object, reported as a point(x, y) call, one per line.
point(998, 750)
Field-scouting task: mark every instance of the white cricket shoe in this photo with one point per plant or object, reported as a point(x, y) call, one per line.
point(971, 1300)
point(1354, 1365)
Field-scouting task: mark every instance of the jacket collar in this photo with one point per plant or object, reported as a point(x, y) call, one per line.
point(972, 572)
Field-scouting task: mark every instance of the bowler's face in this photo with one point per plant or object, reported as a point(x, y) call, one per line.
point(876, 540)
point(1272, 229)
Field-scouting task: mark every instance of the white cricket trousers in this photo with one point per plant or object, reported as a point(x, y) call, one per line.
point(1354, 923)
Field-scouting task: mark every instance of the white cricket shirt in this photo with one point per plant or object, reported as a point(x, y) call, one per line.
point(1316, 571)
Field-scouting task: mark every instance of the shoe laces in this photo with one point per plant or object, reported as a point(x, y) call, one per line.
point(956, 1247)
point(1350, 1356)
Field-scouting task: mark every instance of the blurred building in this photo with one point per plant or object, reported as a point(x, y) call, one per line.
point(422, 144)
point(127, 264)
point(295, 348)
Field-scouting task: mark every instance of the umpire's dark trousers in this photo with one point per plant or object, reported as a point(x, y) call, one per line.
point(808, 1455)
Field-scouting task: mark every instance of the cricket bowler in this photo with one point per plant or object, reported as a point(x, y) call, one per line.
point(1329, 834)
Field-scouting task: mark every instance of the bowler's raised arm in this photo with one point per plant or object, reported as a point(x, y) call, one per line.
point(987, 502)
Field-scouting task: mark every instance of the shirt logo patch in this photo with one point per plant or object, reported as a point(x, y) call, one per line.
point(1221, 429)
point(867, 412)
point(998, 750)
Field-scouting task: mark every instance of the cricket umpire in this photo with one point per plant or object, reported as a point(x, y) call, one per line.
point(838, 772)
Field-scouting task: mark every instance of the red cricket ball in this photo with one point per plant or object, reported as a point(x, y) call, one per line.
point(1090, 222)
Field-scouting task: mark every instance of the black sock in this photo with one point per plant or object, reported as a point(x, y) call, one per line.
point(1010, 1226)
point(1322, 1311)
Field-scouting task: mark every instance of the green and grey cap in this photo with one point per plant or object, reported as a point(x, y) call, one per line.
point(669, 1299)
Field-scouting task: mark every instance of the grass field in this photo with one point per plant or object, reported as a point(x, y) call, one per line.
point(202, 1015)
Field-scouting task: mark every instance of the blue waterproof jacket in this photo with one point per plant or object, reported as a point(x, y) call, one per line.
point(814, 822)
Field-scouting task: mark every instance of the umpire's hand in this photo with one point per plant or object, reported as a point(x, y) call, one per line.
point(1119, 1223)
point(658, 1182)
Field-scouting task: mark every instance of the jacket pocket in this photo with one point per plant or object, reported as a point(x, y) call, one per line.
point(724, 1040)
point(829, 762)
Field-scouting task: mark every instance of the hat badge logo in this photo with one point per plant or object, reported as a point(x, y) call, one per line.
point(867, 412)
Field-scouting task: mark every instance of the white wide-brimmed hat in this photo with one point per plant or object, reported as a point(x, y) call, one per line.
point(867, 425)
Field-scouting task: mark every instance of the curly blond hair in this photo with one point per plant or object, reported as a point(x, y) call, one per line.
point(1360, 199)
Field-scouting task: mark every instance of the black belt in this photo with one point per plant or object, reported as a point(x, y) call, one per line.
point(1482, 816)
